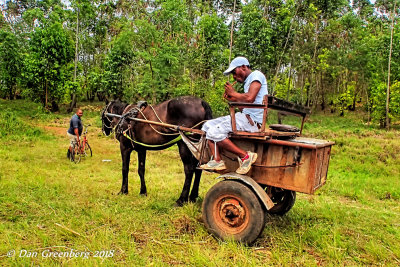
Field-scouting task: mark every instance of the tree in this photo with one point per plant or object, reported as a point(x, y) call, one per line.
point(10, 63)
point(51, 50)
point(314, 52)
point(117, 61)
point(210, 55)
point(254, 38)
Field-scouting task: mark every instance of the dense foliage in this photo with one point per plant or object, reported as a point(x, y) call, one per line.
point(318, 53)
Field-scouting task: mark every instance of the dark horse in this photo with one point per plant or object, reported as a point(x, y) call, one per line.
point(183, 111)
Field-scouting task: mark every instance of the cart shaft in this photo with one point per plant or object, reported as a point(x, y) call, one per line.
point(176, 127)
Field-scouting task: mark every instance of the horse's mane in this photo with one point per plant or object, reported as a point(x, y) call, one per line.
point(118, 106)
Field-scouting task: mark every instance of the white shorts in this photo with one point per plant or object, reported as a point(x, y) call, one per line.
point(72, 139)
point(218, 129)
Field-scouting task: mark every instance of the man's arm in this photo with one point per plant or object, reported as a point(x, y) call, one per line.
point(249, 97)
point(77, 134)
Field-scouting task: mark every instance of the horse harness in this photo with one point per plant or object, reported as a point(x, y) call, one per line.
point(132, 111)
point(103, 116)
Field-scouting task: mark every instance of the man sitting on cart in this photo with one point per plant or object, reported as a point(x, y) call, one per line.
point(248, 120)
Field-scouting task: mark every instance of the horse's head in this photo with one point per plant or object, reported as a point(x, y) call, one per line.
point(108, 123)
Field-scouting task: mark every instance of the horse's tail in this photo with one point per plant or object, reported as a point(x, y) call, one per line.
point(207, 108)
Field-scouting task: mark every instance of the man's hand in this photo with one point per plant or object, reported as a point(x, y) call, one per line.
point(227, 97)
point(229, 90)
point(77, 135)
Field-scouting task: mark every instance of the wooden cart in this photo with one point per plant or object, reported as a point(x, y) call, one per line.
point(287, 163)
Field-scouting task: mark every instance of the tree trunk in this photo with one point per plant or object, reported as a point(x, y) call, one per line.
point(45, 103)
point(232, 24)
point(303, 84)
point(368, 105)
point(154, 96)
point(388, 83)
point(313, 80)
point(283, 50)
point(308, 93)
point(72, 105)
point(54, 106)
point(322, 91)
point(11, 92)
point(289, 81)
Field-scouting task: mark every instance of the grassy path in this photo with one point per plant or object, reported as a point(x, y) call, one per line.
point(51, 205)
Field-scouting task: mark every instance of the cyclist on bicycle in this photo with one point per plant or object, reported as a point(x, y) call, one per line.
point(74, 131)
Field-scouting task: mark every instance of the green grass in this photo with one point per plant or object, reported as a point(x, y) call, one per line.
point(50, 203)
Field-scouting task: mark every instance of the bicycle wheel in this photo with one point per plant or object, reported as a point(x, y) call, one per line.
point(88, 149)
point(72, 154)
point(76, 155)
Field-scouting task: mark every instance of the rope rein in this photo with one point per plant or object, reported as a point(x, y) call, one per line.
point(129, 134)
point(156, 114)
point(104, 116)
point(167, 134)
point(152, 127)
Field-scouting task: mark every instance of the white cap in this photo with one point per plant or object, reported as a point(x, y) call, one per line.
point(237, 62)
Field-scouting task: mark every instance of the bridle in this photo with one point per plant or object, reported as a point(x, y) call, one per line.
point(103, 117)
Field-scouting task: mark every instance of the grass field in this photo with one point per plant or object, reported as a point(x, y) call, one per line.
point(49, 204)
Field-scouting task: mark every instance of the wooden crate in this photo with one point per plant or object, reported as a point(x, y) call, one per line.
point(299, 164)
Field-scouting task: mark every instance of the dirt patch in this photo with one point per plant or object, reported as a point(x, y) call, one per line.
point(93, 108)
point(56, 130)
point(319, 260)
point(184, 225)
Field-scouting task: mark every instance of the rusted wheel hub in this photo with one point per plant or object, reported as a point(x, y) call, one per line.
point(232, 213)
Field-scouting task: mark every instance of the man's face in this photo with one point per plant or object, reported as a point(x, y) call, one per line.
point(239, 74)
point(79, 113)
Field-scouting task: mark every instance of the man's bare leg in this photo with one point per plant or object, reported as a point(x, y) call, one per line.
point(214, 150)
point(227, 145)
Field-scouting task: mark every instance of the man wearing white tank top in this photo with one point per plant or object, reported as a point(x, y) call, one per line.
point(248, 120)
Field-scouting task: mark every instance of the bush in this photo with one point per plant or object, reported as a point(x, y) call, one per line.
point(13, 128)
point(216, 100)
point(378, 101)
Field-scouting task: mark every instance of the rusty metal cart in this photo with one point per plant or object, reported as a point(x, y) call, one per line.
point(287, 163)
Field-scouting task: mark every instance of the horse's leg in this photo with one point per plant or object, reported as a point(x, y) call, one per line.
point(141, 170)
point(126, 151)
point(195, 189)
point(189, 169)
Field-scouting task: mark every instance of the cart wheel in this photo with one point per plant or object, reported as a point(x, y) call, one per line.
point(232, 210)
point(282, 198)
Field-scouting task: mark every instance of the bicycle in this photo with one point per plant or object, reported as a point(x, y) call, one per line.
point(81, 149)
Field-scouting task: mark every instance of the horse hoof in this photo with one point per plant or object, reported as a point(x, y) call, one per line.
point(193, 199)
point(122, 192)
point(179, 203)
point(143, 194)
